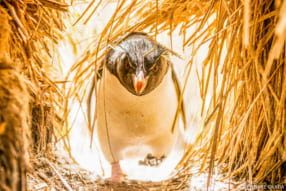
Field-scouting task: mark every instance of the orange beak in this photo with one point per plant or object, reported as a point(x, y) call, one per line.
point(139, 82)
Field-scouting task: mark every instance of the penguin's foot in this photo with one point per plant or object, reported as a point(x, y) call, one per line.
point(151, 160)
point(116, 173)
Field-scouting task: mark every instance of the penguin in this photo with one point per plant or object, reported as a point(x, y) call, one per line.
point(137, 102)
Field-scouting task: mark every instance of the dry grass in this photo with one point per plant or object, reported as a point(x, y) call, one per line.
point(29, 29)
point(244, 126)
point(31, 50)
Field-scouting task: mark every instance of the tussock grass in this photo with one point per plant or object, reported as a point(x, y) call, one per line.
point(29, 96)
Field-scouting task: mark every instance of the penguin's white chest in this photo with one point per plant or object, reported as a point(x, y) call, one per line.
point(133, 126)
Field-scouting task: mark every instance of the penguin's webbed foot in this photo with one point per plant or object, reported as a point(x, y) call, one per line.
point(116, 175)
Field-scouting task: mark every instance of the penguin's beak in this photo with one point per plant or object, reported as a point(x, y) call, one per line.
point(139, 82)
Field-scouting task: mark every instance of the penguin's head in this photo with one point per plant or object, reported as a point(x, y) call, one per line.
point(138, 65)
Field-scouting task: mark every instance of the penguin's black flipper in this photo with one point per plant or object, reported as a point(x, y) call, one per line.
point(92, 91)
point(89, 98)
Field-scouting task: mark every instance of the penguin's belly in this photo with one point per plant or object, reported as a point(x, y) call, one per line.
point(132, 126)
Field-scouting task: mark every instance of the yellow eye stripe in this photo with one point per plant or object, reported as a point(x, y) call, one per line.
point(129, 62)
point(164, 56)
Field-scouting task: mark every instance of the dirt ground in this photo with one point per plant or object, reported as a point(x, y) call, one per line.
point(58, 171)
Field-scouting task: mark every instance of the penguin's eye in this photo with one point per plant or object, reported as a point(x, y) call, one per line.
point(156, 68)
point(126, 63)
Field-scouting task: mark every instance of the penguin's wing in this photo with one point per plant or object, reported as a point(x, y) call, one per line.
point(93, 89)
point(181, 104)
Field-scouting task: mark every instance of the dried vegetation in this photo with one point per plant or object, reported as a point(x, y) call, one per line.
point(29, 29)
point(244, 126)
